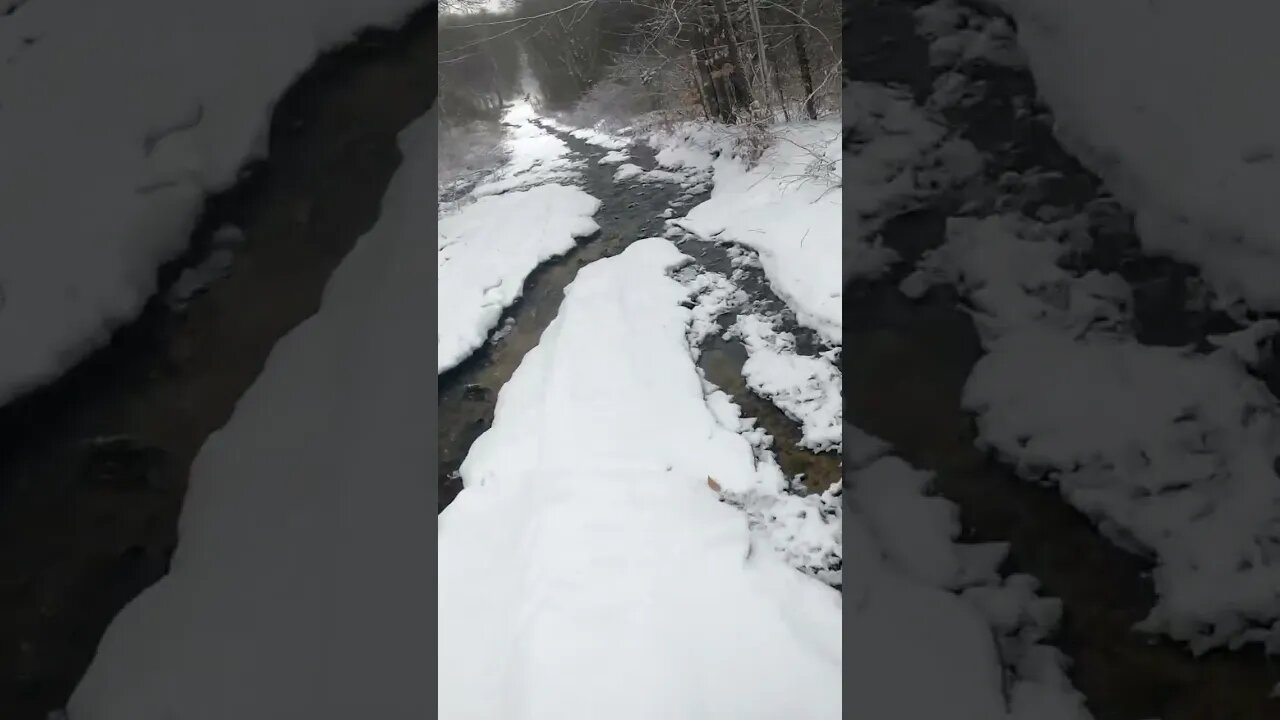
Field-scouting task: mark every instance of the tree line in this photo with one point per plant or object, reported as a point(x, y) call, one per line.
point(729, 61)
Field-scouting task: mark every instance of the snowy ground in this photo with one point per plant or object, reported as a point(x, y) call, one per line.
point(591, 530)
point(513, 221)
point(1169, 449)
point(303, 522)
point(98, 190)
point(1175, 108)
point(1136, 390)
point(485, 252)
point(786, 207)
point(935, 631)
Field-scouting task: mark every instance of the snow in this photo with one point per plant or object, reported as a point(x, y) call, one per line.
point(896, 154)
point(600, 139)
point(298, 584)
point(534, 156)
point(959, 35)
point(587, 532)
point(487, 249)
point(688, 146)
point(714, 295)
point(614, 157)
point(932, 627)
point(787, 207)
point(806, 388)
point(610, 141)
point(520, 217)
point(627, 171)
point(1174, 106)
point(119, 119)
point(1187, 476)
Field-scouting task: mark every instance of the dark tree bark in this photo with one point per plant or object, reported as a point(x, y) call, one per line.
point(806, 74)
point(730, 65)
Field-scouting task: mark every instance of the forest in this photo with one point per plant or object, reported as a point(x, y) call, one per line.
point(612, 62)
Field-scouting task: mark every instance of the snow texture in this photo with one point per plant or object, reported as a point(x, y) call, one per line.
point(587, 569)
point(933, 628)
point(486, 251)
point(895, 155)
point(118, 119)
point(805, 387)
point(534, 156)
point(297, 588)
point(959, 36)
point(627, 171)
point(1175, 107)
point(1187, 476)
point(786, 207)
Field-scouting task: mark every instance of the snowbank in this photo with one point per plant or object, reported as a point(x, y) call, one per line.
point(487, 249)
point(787, 208)
point(1173, 103)
point(933, 627)
point(1170, 451)
point(297, 588)
point(806, 388)
point(118, 118)
point(587, 569)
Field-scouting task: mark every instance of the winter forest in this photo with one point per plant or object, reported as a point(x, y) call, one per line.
point(614, 62)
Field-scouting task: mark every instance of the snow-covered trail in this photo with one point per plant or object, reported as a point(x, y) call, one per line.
point(918, 367)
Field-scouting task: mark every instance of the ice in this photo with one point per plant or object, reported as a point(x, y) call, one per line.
point(1173, 103)
point(587, 569)
point(298, 585)
point(118, 119)
point(488, 248)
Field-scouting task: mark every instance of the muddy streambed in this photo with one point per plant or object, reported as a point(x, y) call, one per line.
point(630, 211)
point(907, 361)
point(93, 467)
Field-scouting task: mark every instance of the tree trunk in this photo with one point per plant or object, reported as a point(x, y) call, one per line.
point(806, 75)
point(762, 58)
point(731, 71)
point(711, 68)
point(702, 82)
point(772, 51)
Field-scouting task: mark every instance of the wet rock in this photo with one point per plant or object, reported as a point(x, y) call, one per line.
point(475, 392)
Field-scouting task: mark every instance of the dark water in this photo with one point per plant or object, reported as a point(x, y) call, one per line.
point(906, 362)
point(93, 468)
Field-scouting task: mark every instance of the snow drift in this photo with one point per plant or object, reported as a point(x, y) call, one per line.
point(1173, 103)
point(118, 118)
